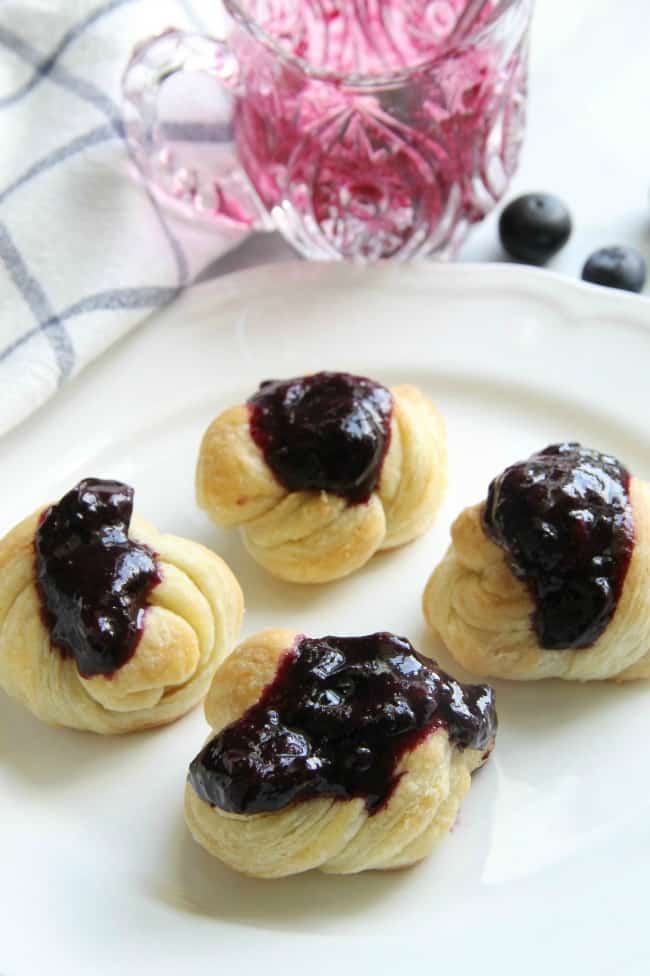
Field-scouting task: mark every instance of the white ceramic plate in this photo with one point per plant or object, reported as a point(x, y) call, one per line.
point(547, 869)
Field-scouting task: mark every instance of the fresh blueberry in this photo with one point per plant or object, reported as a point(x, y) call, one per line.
point(534, 227)
point(616, 267)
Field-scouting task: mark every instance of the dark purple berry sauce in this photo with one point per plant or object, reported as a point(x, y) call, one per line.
point(334, 722)
point(94, 581)
point(325, 432)
point(564, 521)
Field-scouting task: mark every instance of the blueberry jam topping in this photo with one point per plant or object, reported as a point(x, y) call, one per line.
point(564, 520)
point(94, 581)
point(324, 432)
point(334, 722)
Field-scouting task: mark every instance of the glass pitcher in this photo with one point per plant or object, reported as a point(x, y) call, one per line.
point(361, 129)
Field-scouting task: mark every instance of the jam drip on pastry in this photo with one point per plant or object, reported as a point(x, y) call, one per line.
point(334, 722)
point(325, 432)
point(93, 580)
point(564, 521)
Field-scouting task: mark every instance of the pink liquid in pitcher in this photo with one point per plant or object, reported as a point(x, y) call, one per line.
point(399, 166)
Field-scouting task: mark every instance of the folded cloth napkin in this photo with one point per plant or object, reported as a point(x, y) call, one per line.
point(86, 251)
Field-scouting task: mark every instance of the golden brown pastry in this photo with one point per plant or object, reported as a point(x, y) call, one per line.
point(105, 623)
point(322, 471)
point(550, 577)
point(340, 753)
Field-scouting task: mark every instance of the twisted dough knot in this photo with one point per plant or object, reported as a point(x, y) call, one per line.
point(191, 622)
point(315, 536)
point(484, 614)
point(337, 836)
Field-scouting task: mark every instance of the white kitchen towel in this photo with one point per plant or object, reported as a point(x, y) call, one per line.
point(86, 252)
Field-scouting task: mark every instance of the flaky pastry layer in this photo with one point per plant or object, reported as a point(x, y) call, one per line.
point(313, 537)
point(191, 622)
point(483, 613)
point(335, 836)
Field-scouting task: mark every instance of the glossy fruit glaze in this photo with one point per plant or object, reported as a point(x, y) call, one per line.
point(335, 722)
point(93, 580)
point(564, 521)
point(323, 432)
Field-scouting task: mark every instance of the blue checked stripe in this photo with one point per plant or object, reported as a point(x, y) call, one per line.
point(50, 323)
point(89, 93)
point(44, 65)
point(38, 302)
point(102, 134)
point(115, 299)
point(55, 73)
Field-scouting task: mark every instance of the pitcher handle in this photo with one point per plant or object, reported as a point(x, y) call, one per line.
point(192, 161)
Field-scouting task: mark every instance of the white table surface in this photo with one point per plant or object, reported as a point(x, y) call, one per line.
point(588, 136)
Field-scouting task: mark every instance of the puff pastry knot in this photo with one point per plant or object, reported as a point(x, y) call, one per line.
point(342, 754)
point(550, 577)
point(107, 624)
point(323, 471)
